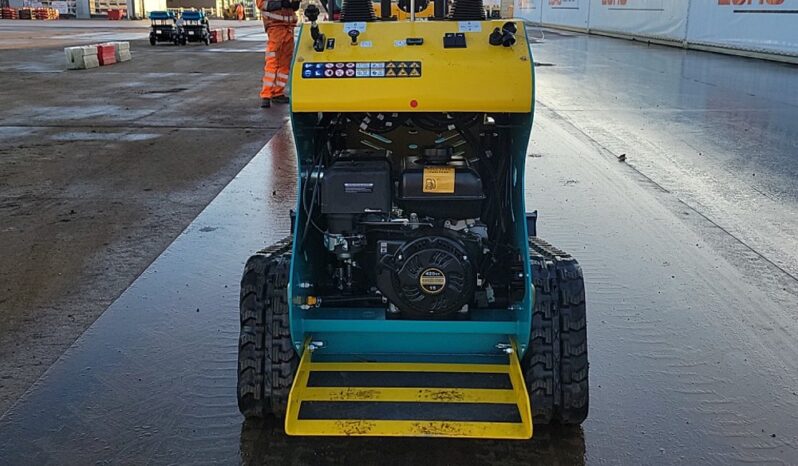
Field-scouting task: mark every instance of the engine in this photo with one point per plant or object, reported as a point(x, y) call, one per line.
point(412, 231)
point(426, 240)
point(428, 276)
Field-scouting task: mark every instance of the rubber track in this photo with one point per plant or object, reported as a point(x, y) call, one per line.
point(556, 364)
point(267, 359)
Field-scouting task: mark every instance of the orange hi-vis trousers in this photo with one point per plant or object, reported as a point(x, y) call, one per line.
point(279, 50)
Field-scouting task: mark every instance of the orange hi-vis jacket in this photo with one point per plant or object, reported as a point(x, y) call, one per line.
point(274, 12)
point(279, 20)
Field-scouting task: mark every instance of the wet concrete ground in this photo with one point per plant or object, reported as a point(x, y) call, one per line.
point(101, 169)
point(691, 294)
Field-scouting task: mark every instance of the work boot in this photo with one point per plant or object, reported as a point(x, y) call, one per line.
point(265, 103)
point(280, 99)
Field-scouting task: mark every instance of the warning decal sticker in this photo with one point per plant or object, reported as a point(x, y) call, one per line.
point(438, 180)
point(381, 69)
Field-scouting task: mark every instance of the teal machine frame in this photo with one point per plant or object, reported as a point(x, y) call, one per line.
point(358, 334)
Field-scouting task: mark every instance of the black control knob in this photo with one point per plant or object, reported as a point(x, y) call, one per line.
point(353, 34)
point(312, 13)
point(504, 36)
point(495, 37)
point(508, 39)
point(510, 27)
point(508, 34)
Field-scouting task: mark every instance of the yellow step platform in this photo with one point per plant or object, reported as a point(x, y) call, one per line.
point(409, 400)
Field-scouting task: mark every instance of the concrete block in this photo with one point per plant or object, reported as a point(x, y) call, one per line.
point(79, 58)
point(74, 58)
point(91, 61)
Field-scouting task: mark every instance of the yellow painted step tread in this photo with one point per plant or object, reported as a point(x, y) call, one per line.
point(300, 392)
point(422, 395)
point(497, 430)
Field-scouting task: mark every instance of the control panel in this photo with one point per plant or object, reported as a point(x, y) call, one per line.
point(413, 66)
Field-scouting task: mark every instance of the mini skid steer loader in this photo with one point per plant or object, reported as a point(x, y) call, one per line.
point(413, 297)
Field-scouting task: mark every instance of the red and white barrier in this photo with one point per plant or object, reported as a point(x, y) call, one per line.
point(106, 54)
point(222, 34)
point(216, 36)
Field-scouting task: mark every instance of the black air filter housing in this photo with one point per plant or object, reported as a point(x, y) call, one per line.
point(356, 187)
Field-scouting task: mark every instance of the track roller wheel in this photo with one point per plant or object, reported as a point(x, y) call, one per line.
point(555, 365)
point(267, 360)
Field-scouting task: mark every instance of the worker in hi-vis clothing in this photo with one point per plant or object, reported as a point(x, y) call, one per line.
point(279, 20)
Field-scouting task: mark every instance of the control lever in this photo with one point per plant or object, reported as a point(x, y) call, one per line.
point(319, 39)
point(312, 14)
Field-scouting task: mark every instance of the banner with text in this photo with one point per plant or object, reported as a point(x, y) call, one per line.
point(529, 10)
point(663, 19)
point(573, 13)
point(759, 25)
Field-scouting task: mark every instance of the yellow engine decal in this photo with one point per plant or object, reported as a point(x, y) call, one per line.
point(432, 281)
point(439, 180)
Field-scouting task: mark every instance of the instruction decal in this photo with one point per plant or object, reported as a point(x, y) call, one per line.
point(469, 26)
point(380, 69)
point(439, 180)
point(358, 26)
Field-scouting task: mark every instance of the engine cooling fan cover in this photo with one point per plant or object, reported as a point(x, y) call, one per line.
point(433, 278)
